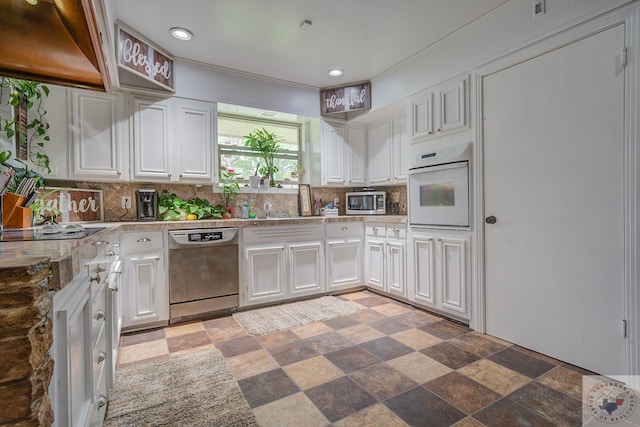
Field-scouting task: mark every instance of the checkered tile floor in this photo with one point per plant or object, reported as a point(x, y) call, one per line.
point(389, 365)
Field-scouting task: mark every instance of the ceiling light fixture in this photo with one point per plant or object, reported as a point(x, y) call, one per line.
point(181, 33)
point(32, 2)
point(335, 72)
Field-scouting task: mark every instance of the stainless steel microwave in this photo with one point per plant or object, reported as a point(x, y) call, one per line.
point(367, 203)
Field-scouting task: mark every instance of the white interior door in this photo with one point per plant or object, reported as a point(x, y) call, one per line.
point(553, 161)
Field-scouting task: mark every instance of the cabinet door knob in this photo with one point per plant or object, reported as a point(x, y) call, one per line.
point(375, 228)
point(95, 278)
point(100, 243)
point(101, 356)
point(110, 253)
point(101, 315)
point(118, 173)
point(102, 400)
point(344, 228)
point(491, 219)
point(396, 230)
point(143, 240)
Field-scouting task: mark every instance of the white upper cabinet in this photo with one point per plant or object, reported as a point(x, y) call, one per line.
point(343, 154)
point(380, 142)
point(441, 110)
point(173, 139)
point(98, 136)
point(388, 151)
point(333, 153)
point(195, 139)
point(357, 153)
point(151, 138)
point(400, 150)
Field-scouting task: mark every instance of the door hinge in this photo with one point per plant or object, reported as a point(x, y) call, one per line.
point(624, 328)
point(623, 57)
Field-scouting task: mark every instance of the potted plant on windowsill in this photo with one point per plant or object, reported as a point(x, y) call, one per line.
point(267, 144)
point(230, 189)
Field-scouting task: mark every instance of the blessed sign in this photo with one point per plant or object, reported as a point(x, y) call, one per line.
point(346, 98)
point(75, 205)
point(143, 59)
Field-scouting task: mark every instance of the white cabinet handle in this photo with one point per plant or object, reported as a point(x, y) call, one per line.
point(396, 230)
point(102, 400)
point(101, 315)
point(100, 243)
point(143, 240)
point(110, 253)
point(375, 229)
point(101, 356)
point(116, 245)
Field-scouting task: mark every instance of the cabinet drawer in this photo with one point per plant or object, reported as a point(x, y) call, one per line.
point(375, 229)
point(397, 231)
point(141, 241)
point(298, 233)
point(337, 230)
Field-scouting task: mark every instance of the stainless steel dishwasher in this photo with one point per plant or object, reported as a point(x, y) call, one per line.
point(203, 272)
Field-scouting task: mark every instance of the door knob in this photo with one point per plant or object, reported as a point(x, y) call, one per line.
point(490, 219)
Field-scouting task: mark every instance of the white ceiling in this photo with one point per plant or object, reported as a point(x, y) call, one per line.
point(262, 37)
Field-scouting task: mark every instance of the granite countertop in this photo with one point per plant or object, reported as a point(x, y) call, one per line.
point(67, 256)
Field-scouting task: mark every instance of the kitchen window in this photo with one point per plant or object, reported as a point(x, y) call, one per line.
point(232, 153)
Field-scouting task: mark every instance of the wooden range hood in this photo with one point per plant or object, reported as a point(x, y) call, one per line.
point(53, 41)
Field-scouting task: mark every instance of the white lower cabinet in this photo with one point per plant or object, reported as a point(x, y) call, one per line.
point(385, 249)
point(344, 255)
point(144, 281)
point(439, 272)
point(274, 271)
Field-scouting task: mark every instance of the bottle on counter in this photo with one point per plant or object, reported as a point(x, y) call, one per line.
point(245, 211)
point(252, 210)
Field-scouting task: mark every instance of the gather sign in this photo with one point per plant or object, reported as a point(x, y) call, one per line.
point(74, 205)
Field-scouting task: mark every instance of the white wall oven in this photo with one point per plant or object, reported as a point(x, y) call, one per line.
point(439, 187)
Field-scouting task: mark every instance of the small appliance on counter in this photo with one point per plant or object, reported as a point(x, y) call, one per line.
point(367, 202)
point(147, 204)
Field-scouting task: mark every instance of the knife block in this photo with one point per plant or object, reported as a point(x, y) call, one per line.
point(14, 214)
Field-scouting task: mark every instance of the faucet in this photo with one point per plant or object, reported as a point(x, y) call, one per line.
point(267, 209)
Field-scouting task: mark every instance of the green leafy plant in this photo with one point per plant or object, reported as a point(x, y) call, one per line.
point(173, 208)
point(19, 172)
point(268, 145)
point(230, 186)
point(31, 94)
point(41, 211)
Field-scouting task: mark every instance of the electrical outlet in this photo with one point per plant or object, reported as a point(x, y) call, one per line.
point(126, 202)
point(539, 8)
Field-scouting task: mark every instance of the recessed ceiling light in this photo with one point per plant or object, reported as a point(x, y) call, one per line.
point(335, 72)
point(32, 2)
point(181, 33)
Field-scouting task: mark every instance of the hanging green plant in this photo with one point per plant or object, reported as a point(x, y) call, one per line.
point(27, 122)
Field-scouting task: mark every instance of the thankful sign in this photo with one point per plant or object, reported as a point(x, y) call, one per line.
point(345, 99)
point(143, 59)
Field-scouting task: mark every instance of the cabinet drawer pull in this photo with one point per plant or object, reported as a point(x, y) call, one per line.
point(102, 400)
point(344, 228)
point(95, 278)
point(396, 230)
point(116, 245)
point(118, 173)
point(375, 229)
point(101, 315)
point(100, 243)
point(144, 240)
point(110, 253)
point(101, 356)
